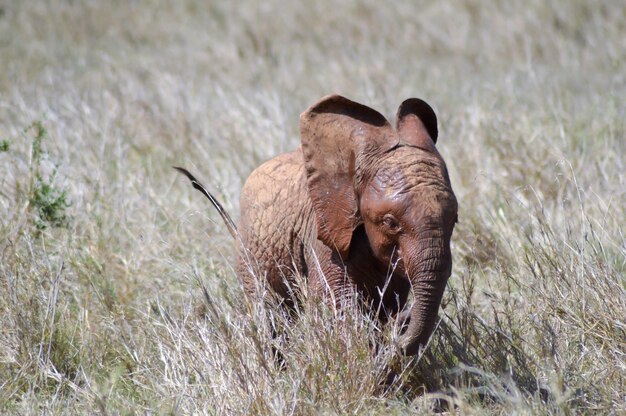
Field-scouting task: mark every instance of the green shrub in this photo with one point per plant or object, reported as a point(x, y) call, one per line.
point(46, 200)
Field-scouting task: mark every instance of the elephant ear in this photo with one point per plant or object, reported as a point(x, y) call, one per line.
point(416, 123)
point(332, 131)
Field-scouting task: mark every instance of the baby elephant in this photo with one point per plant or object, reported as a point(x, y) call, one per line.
point(360, 210)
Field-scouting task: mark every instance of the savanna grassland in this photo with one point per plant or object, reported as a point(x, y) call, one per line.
point(117, 289)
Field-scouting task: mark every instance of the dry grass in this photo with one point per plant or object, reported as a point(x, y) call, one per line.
point(125, 301)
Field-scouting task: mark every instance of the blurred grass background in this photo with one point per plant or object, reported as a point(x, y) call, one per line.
point(117, 293)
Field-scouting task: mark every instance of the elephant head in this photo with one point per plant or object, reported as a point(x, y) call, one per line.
point(362, 172)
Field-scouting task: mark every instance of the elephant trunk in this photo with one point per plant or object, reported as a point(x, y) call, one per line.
point(428, 271)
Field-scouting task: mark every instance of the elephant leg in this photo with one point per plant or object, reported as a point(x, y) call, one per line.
point(328, 279)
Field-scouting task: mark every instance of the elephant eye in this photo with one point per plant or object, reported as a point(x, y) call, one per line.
point(391, 222)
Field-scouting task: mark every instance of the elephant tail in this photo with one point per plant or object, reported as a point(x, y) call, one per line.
point(230, 224)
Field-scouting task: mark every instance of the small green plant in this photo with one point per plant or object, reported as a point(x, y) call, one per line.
point(48, 202)
point(4, 145)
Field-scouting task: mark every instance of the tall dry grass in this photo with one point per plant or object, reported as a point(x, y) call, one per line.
point(117, 293)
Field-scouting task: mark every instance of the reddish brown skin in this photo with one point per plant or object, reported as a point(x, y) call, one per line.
point(358, 209)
